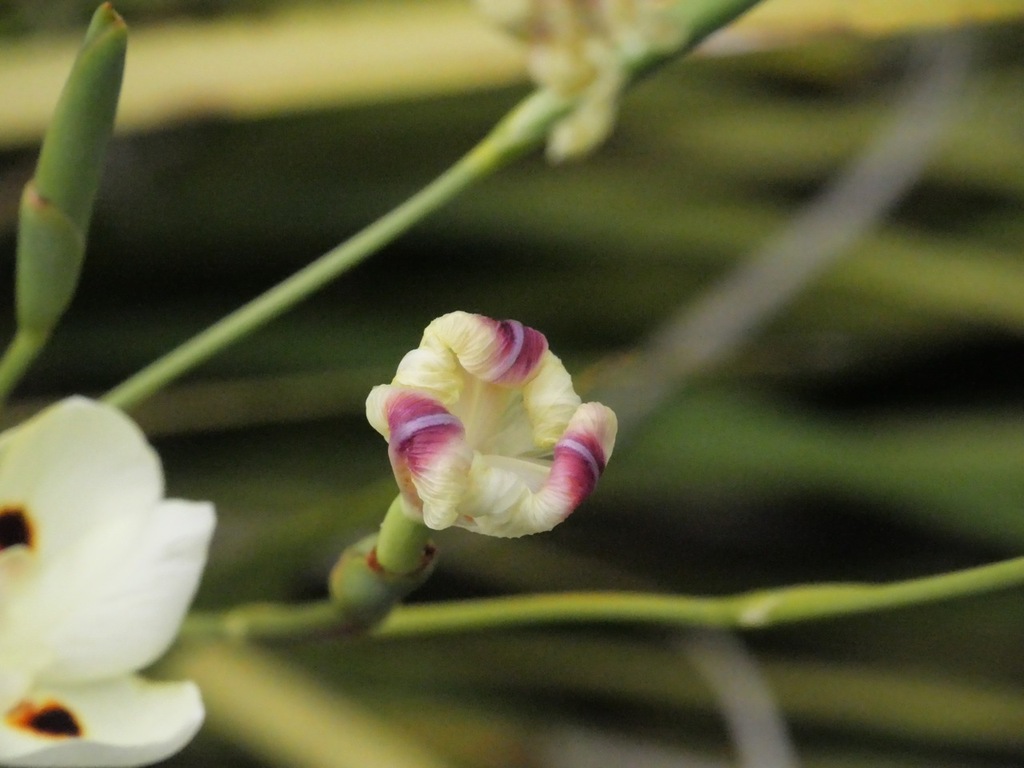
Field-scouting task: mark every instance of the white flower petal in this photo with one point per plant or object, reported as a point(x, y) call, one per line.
point(131, 615)
point(441, 489)
point(75, 465)
point(14, 683)
point(377, 408)
point(464, 335)
point(512, 497)
point(435, 371)
point(550, 401)
point(499, 490)
point(110, 568)
point(126, 721)
point(96, 573)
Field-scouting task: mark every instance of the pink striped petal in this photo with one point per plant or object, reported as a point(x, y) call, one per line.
point(510, 498)
point(518, 351)
point(498, 351)
point(581, 456)
point(428, 452)
point(459, 351)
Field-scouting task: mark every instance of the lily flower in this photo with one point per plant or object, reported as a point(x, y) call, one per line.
point(97, 570)
point(485, 431)
point(582, 48)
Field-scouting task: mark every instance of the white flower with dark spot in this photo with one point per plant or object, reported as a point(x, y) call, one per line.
point(485, 431)
point(97, 570)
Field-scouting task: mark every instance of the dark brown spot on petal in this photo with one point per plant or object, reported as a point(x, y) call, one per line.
point(48, 719)
point(15, 527)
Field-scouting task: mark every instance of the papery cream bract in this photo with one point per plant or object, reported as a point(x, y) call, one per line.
point(580, 48)
point(97, 570)
point(485, 431)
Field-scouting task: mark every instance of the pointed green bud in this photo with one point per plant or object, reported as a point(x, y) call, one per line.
point(57, 204)
point(71, 160)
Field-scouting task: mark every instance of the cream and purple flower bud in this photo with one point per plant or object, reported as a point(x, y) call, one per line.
point(582, 48)
point(485, 431)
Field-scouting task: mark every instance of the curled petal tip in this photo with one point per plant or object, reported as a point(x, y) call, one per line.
point(517, 352)
point(421, 429)
point(599, 423)
point(582, 454)
point(428, 454)
point(499, 351)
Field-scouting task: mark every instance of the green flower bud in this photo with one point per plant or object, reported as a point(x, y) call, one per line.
point(58, 202)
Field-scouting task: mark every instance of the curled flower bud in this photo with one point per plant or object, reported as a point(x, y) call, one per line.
point(582, 48)
point(485, 431)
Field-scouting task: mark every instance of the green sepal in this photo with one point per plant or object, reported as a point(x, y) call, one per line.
point(57, 203)
point(364, 593)
point(49, 260)
point(71, 159)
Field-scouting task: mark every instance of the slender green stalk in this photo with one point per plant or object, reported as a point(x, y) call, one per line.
point(18, 356)
point(478, 163)
point(523, 129)
point(264, 621)
point(402, 541)
point(752, 610)
point(746, 611)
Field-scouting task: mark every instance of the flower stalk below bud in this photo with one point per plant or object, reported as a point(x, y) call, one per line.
point(364, 588)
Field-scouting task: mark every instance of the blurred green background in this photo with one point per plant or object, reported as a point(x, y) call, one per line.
point(872, 430)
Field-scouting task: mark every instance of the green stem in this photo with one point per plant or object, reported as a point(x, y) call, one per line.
point(264, 621)
point(522, 130)
point(517, 133)
point(402, 541)
point(752, 610)
point(23, 349)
